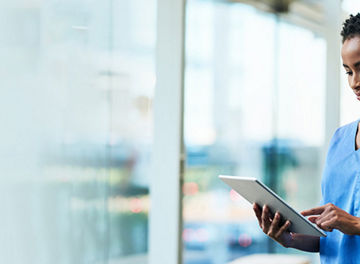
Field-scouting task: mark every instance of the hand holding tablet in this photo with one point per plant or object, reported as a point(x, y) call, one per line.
point(257, 193)
point(273, 225)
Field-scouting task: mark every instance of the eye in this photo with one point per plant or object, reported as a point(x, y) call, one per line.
point(349, 73)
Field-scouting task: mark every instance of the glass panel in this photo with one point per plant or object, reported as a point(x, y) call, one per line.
point(351, 6)
point(349, 107)
point(76, 115)
point(130, 95)
point(250, 99)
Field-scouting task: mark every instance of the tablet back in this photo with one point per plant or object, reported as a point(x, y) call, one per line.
point(256, 192)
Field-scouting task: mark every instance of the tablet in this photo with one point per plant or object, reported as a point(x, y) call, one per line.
point(256, 192)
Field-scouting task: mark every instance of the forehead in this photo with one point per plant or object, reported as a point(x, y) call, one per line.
point(350, 51)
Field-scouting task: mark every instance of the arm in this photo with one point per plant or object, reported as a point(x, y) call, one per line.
point(271, 226)
point(305, 242)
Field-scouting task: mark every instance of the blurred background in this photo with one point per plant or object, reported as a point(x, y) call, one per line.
point(79, 87)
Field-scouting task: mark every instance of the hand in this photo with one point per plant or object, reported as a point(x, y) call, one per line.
point(329, 217)
point(272, 227)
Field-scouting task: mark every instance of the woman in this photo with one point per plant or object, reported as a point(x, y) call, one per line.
point(340, 214)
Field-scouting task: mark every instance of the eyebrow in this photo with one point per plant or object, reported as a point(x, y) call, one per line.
point(355, 65)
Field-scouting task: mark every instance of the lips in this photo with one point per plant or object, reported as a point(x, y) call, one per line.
point(357, 95)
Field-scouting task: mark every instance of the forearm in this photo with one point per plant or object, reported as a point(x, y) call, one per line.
point(305, 242)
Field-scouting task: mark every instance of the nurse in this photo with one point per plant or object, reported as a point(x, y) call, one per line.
point(339, 215)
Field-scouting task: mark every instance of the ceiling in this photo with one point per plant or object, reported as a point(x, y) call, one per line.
point(308, 13)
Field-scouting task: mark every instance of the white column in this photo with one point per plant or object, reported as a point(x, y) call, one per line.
point(165, 242)
point(333, 16)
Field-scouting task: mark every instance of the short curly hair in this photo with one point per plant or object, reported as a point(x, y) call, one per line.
point(351, 27)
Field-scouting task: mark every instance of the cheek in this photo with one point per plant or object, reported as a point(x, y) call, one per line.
point(349, 80)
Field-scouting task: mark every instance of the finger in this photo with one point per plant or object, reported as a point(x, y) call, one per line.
point(268, 212)
point(313, 219)
point(265, 219)
point(283, 228)
point(327, 226)
point(276, 220)
point(314, 211)
point(256, 209)
point(322, 219)
point(258, 212)
point(274, 227)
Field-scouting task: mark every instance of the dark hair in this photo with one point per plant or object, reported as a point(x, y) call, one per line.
point(351, 27)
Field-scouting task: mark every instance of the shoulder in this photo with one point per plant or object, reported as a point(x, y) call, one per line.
point(343, 137)
point(344, 130)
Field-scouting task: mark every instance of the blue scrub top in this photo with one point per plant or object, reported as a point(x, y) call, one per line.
point(340, 186)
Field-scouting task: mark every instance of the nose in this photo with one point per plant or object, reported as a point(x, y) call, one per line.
point(355, 82)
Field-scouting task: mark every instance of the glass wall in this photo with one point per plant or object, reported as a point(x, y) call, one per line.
point(350, 107)
point(254, 107)
point(77, 82)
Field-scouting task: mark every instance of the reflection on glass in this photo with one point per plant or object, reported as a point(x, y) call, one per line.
point(76, 115)
point(253, 107)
